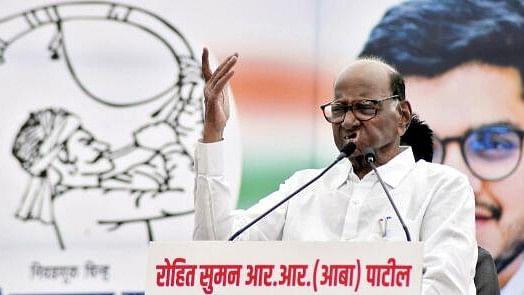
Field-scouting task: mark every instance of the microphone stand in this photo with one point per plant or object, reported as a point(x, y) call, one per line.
point(346, 150)
point(370, 158)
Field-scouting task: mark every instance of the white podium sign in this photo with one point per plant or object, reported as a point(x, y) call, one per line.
point(284, 268)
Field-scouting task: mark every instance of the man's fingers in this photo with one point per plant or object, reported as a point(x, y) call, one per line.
point(212, 77)
point(223, 69)
point(206, 71)
point(218, 90)
point(216, 81)
point(221, 83)
point(225, 62)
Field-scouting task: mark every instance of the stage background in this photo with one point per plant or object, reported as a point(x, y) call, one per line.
point(289, 55)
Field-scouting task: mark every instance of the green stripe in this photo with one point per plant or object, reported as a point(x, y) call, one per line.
point(260, 178)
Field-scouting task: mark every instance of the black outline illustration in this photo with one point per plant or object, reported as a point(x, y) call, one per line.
point(42, 141)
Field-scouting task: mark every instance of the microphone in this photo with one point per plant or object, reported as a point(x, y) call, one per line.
point(370, 157)
point(345, 151)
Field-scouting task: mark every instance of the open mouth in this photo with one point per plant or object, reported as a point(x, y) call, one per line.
point(352, 137)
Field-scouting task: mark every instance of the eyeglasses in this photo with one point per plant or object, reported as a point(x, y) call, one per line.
point(363, 110)
point(491, 152)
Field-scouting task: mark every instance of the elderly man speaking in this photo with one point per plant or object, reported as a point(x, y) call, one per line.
point(369, 109)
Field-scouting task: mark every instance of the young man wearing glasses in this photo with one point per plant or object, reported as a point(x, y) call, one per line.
point(464, 70)
point(369, 109)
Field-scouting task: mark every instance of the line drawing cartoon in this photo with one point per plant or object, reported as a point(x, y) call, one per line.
point(61, 155)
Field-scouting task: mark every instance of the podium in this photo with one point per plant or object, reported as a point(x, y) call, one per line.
point(284, 267)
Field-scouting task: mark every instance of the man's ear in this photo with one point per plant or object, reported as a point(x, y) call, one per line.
point(404, 108)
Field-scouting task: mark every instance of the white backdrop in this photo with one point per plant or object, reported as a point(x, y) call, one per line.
point(128, 163)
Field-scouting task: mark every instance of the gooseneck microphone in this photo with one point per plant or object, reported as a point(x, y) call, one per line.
point(370, 157)
point(346, 150)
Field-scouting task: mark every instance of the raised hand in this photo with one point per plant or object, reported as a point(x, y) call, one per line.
point(216, 97)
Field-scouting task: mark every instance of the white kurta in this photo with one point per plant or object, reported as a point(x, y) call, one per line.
point(435, 201)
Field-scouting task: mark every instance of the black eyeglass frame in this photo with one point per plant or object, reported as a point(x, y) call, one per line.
point(349, 107)
point(461, 140)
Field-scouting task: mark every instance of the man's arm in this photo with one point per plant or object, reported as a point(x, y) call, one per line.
point(215, 218)
point(448, 232)
point(215, 98)
point(212, 195)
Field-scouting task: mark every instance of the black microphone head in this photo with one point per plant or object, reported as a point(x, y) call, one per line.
point(369, 155)
point(346, 150)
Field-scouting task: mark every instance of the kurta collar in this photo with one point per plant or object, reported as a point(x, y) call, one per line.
point(392, 172)
point(397, 168)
